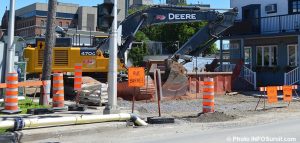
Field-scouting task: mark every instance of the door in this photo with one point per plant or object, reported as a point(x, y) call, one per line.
point(251, 14)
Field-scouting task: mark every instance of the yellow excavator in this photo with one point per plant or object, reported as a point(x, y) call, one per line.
point(65, 56)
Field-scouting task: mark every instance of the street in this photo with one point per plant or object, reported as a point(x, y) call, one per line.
point(288, 129)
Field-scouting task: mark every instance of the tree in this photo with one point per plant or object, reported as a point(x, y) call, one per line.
point(136, 54)
point(50, 43)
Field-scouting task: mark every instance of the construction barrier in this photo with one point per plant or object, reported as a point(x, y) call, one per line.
point(78, 77)
point(11, 98)
point(58, 91)
point(271, 92)
point(208, 96)
point(12, 86)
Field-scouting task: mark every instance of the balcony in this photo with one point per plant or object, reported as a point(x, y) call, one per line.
point(266, 25)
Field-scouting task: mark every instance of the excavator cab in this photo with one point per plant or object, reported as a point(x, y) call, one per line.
point(98, 40)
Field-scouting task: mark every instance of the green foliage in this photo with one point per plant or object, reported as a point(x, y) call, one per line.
point(169, 34)
point(29, 104)
point(137, 54)
point(212, 50)
point(141, 37)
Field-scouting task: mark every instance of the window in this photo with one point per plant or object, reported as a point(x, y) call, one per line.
point(267, 56)
point(60, 24)
point(248, 56)
point(292, 55)
point(294, 6)
point(68, 24)
point(42, 23)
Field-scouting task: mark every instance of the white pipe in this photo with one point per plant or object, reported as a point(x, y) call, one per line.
point(10, 41)
point(20, 123)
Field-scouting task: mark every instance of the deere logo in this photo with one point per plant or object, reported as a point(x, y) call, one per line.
point(160, 17)
point(173, 16)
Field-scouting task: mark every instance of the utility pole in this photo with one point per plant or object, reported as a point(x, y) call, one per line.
point(112, 106)
point(10, 41)
point(50, 43)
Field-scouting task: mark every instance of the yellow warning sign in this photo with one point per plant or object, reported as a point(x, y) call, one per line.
point(41, 44)
point(136, 77)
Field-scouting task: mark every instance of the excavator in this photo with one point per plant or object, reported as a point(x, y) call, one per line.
point(175, 78)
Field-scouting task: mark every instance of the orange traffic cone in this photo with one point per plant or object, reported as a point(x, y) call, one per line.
point(208, 96)
point(11, 98)
point(58, 92)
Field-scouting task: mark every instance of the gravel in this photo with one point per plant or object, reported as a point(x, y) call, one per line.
point(226, 107)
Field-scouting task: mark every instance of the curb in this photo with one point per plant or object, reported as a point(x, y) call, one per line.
point(31, 135)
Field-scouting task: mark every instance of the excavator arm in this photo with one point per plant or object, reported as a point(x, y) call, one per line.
point(216, 24)
point(175, 80)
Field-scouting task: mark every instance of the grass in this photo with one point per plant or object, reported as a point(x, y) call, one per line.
point(27, 103)
point(24, 105)
point(2, 131)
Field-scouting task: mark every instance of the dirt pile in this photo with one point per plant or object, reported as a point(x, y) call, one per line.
point(210, 117)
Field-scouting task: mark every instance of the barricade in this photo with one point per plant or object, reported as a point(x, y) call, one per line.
point(12, 85)
point(208, 96)
point(271, 93)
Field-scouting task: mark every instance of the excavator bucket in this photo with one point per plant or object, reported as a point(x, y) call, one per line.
point(176, 81)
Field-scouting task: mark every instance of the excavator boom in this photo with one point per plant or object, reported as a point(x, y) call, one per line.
point(176, 81)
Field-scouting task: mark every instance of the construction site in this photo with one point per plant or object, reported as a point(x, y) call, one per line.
point(111, 82)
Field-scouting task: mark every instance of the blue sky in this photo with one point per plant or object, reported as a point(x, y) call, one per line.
point(22, 3)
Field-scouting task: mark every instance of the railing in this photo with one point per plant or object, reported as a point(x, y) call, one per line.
point(225, 68)
point(282, 23)
point(266, 25)
point(249, 76)
point(292, 76)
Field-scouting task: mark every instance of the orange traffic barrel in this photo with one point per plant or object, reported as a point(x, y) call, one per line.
point(11, 98)
point(58, 92)
point(78, 77)
point(208, 103)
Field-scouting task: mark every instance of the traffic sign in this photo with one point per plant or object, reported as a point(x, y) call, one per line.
point(272, 94)
point(287, 93)
point(136, 77)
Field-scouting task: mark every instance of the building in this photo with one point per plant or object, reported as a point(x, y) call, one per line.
point(138, 3)
point(31, 20)
point(266, 36)
point(1, 33)
point(175, 2)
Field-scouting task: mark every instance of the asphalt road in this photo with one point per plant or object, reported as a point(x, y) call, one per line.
point(282, 131)
point(275, 132)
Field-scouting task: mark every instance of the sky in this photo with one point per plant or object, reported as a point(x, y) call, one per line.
point(22, 3)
